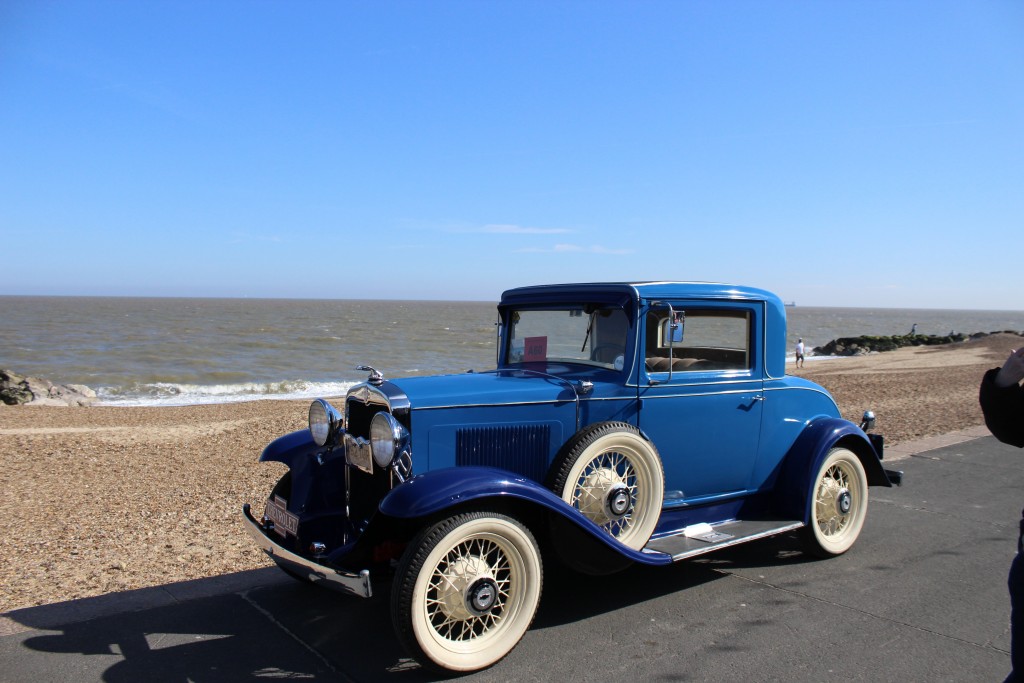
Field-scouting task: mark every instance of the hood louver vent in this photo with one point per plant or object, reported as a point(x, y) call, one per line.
point(522, 449)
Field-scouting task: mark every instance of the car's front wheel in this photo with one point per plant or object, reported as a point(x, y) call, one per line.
point(466, 591)
point(839, 505)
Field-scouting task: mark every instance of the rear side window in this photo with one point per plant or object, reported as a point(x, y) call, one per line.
point(690, 340)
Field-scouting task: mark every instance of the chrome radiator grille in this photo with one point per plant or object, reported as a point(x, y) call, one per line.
point(358, 415)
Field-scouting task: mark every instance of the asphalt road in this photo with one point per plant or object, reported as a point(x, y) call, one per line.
point(920, 597)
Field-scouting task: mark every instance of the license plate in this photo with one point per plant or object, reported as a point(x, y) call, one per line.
point(284, 521)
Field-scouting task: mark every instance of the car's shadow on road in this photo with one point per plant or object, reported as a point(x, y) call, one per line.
point(203, 630)
point(279, 628)
point(570, 596)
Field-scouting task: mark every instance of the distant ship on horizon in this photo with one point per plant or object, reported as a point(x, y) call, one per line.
point(790, 304)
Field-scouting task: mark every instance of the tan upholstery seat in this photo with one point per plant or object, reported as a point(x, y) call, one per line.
point(660, 364)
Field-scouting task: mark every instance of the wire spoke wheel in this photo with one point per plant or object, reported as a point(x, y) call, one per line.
point(827, 508)
point(613, 476)
point(607, 473)
point(466, 591)
point(839, 506)
point(454, 614)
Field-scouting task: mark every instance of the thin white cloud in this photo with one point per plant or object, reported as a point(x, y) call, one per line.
point(509, 229)
point(574, 249)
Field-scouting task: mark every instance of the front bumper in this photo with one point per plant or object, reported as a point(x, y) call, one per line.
point(336, 579)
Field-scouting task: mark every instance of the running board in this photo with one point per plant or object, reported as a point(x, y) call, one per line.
point(703, 538)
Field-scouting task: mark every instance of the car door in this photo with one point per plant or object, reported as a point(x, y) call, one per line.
point(701, 399)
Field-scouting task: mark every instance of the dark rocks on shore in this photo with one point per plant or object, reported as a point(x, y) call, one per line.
point(17, 390)
point(858, 346)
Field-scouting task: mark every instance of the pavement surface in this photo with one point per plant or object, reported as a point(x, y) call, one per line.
point(920, 597)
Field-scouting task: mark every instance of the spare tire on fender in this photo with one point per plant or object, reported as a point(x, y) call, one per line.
point(613, 476)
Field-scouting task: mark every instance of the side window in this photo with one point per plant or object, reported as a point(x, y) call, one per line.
point(696, 340)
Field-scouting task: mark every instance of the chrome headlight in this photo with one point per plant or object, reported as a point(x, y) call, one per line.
point(324, 422)
point(387, 436)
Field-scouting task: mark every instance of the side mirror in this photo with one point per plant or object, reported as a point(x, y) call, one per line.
point(674, 328)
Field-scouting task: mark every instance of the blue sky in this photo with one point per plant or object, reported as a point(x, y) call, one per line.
point(837, 153)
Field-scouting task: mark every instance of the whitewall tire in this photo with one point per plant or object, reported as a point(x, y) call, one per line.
point(466, 591)
point(613, 476)
point(839, 504)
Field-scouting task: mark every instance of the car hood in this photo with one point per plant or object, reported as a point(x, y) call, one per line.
point(502, 387)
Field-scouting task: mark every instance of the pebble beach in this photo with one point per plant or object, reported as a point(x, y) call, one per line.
point(106, 499)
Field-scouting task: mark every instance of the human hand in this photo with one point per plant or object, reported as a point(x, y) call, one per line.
point(1012, 371)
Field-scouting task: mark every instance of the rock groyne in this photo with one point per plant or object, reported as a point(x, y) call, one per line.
point(858, 346)
point(18, 390)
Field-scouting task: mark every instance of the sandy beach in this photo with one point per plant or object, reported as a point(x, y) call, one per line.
point(98, 500)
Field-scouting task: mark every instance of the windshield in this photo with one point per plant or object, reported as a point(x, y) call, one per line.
point(576, 334)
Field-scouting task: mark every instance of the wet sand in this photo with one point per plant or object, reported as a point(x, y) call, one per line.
point(98, 500)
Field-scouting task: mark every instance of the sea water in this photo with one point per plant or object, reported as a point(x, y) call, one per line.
point(167, 351)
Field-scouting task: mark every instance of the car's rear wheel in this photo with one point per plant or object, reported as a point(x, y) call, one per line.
point(466, 591)
point(839, 504)
point(613, 476)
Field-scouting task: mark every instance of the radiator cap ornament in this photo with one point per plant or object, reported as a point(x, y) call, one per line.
point(376, 379)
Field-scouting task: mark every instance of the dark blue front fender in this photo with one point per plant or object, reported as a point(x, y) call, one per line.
point(809, 452)
point(436, 491)
point(286, 448)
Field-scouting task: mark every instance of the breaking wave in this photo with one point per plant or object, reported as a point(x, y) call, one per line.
point(170, 394)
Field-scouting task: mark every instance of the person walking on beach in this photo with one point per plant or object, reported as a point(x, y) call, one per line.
point(800, 353)
point(1002, 402)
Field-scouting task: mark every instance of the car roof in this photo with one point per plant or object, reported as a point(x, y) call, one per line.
point(630, 294)
point(612, 292)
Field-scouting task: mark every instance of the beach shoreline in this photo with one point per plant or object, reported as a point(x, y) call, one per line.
point(103, 499)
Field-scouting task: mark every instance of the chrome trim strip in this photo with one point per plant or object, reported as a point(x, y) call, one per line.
point(337, 579)
point(820, 390)
point(704, 380)
point(810, 389)
point(703, 393)
point(524, 403)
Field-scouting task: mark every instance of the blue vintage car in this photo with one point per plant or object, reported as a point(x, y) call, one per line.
point(625, 422)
